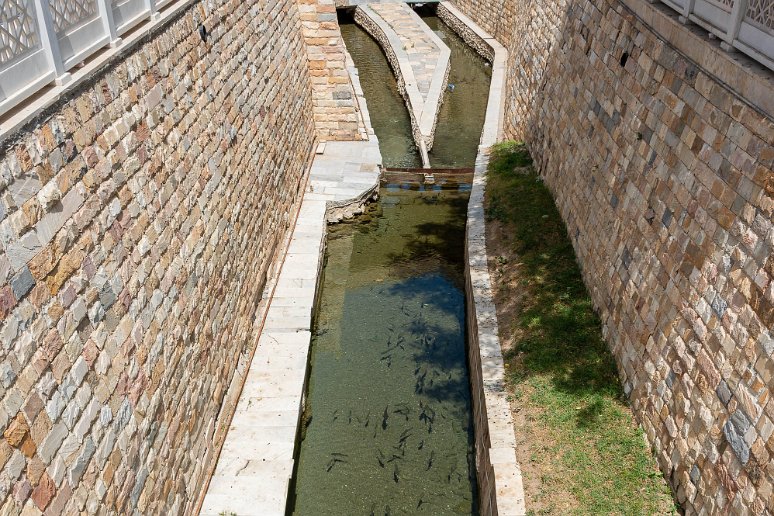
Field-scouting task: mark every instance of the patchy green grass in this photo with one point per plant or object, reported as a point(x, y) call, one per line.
point(585, 453)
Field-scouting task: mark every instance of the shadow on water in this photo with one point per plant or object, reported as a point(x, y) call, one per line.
point(387, 427)
point(388, 418)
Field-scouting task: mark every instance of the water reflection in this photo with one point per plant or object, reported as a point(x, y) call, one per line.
point(388, 425)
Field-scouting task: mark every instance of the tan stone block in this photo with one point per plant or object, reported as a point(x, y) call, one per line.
point(35, 469)
point(40, 428)
point(16, 431)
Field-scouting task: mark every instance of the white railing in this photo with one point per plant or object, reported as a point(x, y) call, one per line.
point(40, 40)
point(747, 25)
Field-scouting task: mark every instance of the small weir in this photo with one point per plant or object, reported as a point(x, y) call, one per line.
point(387, 427)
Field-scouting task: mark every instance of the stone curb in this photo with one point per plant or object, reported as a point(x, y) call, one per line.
point(499, 476)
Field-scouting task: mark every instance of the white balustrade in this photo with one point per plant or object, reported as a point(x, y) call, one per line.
point(745, 25)
point(42, 40)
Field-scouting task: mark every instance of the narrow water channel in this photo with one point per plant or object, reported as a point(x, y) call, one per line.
point(462, 114)
point(388, 411)
point(387, 427)
point(389, 117)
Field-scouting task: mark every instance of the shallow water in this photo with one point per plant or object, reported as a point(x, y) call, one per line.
point(460, 119)
point(389, 116)
point(462, 114)
point(388, 409)
point(387, 427)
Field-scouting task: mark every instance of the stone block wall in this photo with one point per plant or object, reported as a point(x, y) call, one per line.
point(664, 177)
point(138, 221)
point(336, 111)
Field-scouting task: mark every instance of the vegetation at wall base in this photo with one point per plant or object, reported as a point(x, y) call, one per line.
point(579, 446)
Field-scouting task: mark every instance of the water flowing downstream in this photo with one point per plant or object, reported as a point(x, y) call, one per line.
point(387, 427)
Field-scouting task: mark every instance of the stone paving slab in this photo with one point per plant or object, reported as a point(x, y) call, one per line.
point(255, 466)
point(419, 59)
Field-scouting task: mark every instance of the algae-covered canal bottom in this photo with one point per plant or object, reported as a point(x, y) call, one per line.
point(387, 427)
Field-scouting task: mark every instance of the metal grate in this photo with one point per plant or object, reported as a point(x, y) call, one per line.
point(18, 30)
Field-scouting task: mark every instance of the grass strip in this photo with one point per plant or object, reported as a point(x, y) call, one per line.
point(585, 454)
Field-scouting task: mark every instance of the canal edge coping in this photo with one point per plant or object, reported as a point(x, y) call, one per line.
point(500, 483)
point(342, 178)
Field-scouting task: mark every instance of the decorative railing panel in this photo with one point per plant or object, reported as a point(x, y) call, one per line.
point(24, 65)
point(761, 14)
point(68, 14)
point(745, 25)
point(18, 30)
point(40, 40)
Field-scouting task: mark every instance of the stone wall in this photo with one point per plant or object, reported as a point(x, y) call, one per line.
point(335, 106)
point(663, 175)
point(138, 221)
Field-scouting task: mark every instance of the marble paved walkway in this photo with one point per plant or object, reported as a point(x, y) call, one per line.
point(256, 463)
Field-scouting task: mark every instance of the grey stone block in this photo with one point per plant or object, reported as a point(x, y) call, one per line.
point(22, 283)
point(734, 430)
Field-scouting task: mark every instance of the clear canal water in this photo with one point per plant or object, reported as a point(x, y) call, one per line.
point(462, 113)
point(461, 118)
point(387, 426)
point(389, 116)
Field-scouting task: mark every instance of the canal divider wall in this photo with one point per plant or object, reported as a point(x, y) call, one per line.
point(420, 62)
point(499, 476)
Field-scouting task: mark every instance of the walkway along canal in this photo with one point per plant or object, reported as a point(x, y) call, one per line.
point(387, 427)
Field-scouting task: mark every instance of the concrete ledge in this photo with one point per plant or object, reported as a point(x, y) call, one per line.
point(499, 475)
point(255, 465)
point(423, 109)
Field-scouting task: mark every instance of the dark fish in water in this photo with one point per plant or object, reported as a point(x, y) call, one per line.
point(373, 509)
point(336, 454)
point(395, 474)
point(368, 419)
point(420, 503)
point(421, 444)
point(430, 461)
point(332, 463)
point(350, 417)
point(405, 435)
point(387, 511)
point(335, 415)
point(385, 417)
point(394, 458)
point(380, 461)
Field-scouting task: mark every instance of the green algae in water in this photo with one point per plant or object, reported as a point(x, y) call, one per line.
point(388, 409)
point(389, 116)
point(462, 114)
